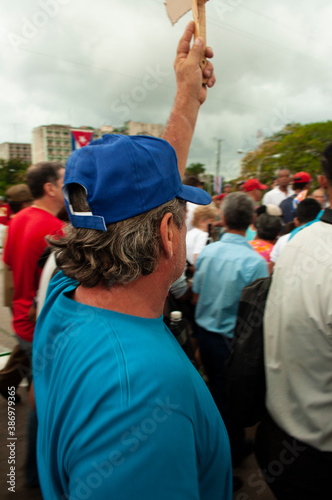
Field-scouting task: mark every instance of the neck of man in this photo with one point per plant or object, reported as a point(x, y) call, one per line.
point(284, 189)
point(240, 232)
point(47, 205)
point(144, 297)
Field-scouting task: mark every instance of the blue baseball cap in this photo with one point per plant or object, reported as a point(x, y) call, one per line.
point(125, 176)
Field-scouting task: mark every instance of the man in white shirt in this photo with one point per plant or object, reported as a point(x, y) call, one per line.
point(294, 440)
point(280, 192)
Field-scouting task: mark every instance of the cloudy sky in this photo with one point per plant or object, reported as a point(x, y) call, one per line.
point(79, 62)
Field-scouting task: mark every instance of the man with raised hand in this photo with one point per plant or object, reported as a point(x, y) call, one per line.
point(122, 413)
point(190, 94)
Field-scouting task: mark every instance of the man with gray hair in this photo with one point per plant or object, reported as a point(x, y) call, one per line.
point(223, 269)
point(122, 412)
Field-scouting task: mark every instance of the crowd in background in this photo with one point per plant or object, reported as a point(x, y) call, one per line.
point(277, 212)
point(245, 221)
point(236, 239)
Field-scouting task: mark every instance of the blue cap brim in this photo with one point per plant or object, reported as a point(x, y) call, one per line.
point(194, 195)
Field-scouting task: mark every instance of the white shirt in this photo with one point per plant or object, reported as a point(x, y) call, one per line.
point(279, 246)
point(298, 337)
point(46, 276)
point(191, 207)
point(196, 240)
point(276, 196)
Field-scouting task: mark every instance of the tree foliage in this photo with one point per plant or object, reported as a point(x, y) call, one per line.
point(195, 169)
point(11, 172)
point(296, 147)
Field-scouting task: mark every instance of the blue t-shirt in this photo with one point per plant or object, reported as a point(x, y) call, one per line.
point(223, 269)
point(122, 413)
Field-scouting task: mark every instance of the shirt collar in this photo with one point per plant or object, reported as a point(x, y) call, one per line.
point(234, 238)
point(327, 216)
point(289, 190)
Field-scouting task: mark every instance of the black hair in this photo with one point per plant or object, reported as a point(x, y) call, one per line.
point(307, 210)
point(289, 227)
point(41, 173)
point(326, 161)
point(299, 185)
point(260, 210)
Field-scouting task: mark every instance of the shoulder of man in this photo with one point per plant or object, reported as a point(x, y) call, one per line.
point(255, 264)
point(208, 251)
point(287, 201)
point(267, 195)
point(58, 284)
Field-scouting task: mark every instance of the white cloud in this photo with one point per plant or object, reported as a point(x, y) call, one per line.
point(85, 63)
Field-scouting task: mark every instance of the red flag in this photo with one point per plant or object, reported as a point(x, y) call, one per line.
point(80, 138)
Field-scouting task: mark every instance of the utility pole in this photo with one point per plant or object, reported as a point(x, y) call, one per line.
point(219, 141)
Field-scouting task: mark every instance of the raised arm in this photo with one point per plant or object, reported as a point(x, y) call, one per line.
point(190, 94)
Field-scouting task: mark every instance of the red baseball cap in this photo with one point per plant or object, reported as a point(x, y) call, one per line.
point(301, 177)
point(252, 184)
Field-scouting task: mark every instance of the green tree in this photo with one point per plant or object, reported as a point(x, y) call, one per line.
point(195, 169)
point(297, 147)
point(11, 172)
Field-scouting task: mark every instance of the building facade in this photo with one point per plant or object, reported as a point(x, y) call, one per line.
point(53, 142)
point(14, 150)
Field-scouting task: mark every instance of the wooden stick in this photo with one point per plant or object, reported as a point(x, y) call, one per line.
point(198, 8)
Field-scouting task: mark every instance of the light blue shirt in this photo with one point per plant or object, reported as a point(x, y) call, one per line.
point(250, 234)
point(223, 269)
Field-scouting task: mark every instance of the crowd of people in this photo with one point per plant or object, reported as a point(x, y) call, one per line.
point(257, 241)
point(118, 407)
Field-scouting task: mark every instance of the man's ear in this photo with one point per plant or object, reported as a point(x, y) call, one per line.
point(167, 235)
point(296, 222)
point(48, 188)
point(322, 180)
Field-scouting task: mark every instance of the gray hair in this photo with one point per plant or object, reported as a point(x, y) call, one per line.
point(125, 251)
point(238, 210)
point(268, 226)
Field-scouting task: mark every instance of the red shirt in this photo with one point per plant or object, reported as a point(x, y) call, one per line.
point(24, 246)
point(5, 214)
